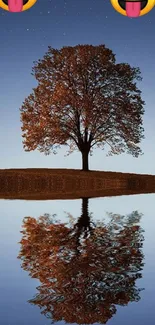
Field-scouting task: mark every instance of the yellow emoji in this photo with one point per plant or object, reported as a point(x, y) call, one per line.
point(133, 8)
point(16, 5)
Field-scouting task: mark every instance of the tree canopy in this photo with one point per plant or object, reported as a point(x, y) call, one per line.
point(83, 100)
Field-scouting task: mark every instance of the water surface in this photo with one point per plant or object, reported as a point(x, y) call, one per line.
point(106, 277)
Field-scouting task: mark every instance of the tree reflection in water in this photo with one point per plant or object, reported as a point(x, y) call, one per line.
point(85, 269)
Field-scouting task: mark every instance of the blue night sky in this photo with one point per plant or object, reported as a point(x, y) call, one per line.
point(25, 37)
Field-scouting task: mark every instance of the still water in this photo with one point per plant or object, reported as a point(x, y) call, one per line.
point(78, 261)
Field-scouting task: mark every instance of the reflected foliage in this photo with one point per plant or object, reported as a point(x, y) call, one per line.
point(85, 268)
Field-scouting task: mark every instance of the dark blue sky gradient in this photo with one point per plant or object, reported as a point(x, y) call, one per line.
point(25, 37)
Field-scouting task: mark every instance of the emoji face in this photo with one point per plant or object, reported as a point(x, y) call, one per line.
point(16, 5)
point(133, 8)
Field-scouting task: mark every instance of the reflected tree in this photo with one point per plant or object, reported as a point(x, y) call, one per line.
point(85, 268)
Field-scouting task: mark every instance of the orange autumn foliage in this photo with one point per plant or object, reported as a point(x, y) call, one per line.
point(83, 100)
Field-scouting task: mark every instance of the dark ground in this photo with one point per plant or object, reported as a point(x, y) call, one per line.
point(48, 184)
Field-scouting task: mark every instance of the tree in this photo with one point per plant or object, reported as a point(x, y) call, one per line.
point(84, 99)
point(85, 269)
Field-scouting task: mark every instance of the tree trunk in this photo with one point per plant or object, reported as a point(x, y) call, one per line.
point(85, 165)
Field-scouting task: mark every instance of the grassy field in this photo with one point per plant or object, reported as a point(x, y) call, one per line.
point(46, 184)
